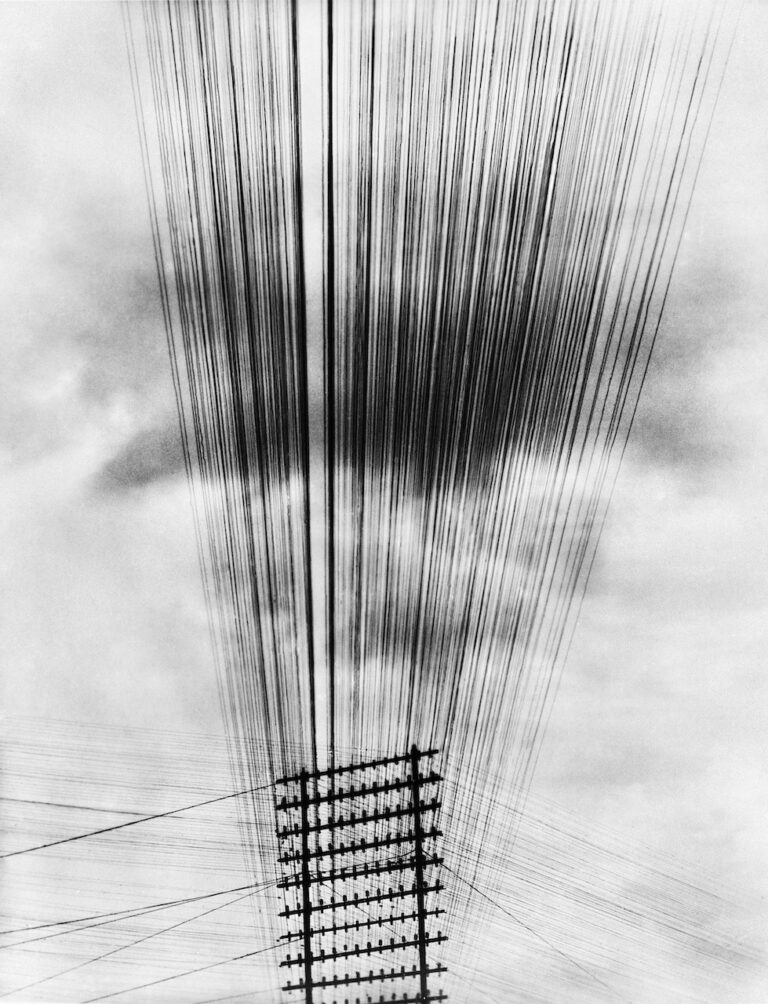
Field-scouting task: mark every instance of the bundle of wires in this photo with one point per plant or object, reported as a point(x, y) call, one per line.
point(124, 878)
point(395, 541)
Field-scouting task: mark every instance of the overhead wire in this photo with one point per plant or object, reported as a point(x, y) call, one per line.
point(505, 186)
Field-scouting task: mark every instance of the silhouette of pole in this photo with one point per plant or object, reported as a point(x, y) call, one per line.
point(306, 902)
point(419, 870)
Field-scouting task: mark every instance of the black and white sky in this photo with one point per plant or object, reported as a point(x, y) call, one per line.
point(660, 728)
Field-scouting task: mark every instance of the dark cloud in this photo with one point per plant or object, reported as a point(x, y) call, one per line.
point(152, 455)
point(679, 424)
point(123, 341)
point(678, 433)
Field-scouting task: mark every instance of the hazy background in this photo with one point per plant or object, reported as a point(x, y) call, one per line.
point(660, 728)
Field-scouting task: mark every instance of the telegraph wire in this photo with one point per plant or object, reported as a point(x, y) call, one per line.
point(115, 915)
point(536, 934)
point(122, 948)
point(179, 976)
point(134, 822)
point(505, 186)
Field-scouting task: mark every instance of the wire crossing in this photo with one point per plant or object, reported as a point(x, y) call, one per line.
point(361, 846)
point(504, 189)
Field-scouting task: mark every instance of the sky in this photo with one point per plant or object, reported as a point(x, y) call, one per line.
point(660, 727)
point(665, 694)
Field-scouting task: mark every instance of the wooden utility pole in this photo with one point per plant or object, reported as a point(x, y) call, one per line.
point(346, 836)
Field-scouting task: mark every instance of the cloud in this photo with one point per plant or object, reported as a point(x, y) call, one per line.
point(84, 343)
point(152, 455)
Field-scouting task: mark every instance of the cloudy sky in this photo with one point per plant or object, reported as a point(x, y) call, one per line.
point(666, 694)
point(660, 729)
